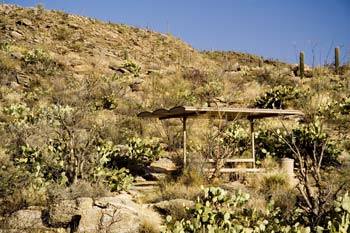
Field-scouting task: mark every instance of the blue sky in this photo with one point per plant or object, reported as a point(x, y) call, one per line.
point(276, 29)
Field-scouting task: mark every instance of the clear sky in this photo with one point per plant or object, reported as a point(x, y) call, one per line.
point(276, 29)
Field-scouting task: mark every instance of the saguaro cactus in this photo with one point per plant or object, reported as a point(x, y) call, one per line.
point(126, 54)
point(301, 64)
point(336, 63)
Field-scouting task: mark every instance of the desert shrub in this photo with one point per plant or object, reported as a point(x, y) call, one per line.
point(174, 190)
point(226, 141)
point(309, 138)
point(312, 139)
point(185, 186)
point(107, 102)
point(219, 211)
point(57, 192)
point(211, 88)
point(36, 56)
point(274, 185)
point(150, 222)
point(345, 106)
point(66, 152)
point(63, 33)
point(138, 154)
point(132, 67)
point(274, 181)
point(333, 109)
point(237, 137)
point(340, 215)
point(5, 45)
point(40, 61)
point(12, 181)
point(195, 76)
point(279, 97)
point(271, 143)
point(19, 188)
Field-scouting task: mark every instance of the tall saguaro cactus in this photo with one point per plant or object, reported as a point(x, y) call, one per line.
point(336, 63)
point(301, 64)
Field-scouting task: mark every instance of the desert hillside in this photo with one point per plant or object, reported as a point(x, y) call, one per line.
point(71, 89)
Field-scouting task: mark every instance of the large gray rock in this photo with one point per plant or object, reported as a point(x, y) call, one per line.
point(16, 34)
point(106, 214)
point(175, 207)
point(62, 213)
point(175, 203)
point(26, 219)
point(120, 213)
point(90, 220)
point(24, 22)
point(163, 165)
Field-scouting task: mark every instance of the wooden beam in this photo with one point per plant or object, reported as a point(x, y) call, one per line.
point(184, 140)
point(253, 139)
point(242, 160)
point(233, 170)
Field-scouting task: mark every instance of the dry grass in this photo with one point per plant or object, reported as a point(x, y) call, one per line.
point(80, 189)
point(186, 186)
point(273, 185)
point(150, 221)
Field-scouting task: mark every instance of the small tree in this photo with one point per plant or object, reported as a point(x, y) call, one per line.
point(313, 151)
point(227, 141)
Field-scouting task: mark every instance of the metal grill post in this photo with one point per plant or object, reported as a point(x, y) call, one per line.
point(253, 139)
point(184, 139)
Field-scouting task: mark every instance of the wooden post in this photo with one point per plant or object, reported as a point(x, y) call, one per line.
point(253, 139)
point(184, 139)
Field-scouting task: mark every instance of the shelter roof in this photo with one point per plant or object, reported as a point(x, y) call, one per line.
point(218, 112)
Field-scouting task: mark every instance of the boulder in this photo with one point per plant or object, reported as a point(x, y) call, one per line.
point(119, 213)
point(16, 34)
point(175, 207)
point(26, 219)
point(62, 214)
point(156, 176)
point(106, 214)
point(90, 220)
point(167, 206)
point(163, 165)
point(24, 22)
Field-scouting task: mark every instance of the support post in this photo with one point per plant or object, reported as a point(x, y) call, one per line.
point(184, 139)
point(253, 139)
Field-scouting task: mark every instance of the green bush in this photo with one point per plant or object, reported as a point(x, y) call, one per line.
point(236, 136)
point(40, 61)
point(138, 154)
point(5, 45)
point(209, 89)
point(309, 139)
point(132, 67)
point(340, 215)
point(271, 143)
point(218, 211)
point(345, 106)
point(213, 213)
point(279, 97)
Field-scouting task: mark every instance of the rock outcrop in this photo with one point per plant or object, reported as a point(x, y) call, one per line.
point(106, 214)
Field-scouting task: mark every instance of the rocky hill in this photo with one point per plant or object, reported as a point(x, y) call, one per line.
point(40, 47)
point(71, 88)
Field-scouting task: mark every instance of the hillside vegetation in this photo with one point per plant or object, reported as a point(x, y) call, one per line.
point(71, 88)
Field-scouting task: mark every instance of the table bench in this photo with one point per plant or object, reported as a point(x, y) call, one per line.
point(232, 168)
